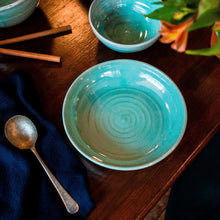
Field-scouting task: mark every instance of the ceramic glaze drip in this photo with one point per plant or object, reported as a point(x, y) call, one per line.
point(125, 28)
point(128, 121)
point(6, 2)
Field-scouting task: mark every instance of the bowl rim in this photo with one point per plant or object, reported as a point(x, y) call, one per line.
point(118, 167)
point(11, 5)
point(128, 46)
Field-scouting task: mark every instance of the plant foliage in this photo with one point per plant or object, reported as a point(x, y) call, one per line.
point(206, 13)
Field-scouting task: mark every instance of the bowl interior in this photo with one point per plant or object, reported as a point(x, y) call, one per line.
point(124, 114)
point(4, 4)
point(123, 21)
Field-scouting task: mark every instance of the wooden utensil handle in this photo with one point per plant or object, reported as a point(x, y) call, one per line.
point(38, 56)
point(36, 35)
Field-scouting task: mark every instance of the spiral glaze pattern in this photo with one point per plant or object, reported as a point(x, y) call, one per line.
point(126, 120)
point(124, 115)
point(121, 27)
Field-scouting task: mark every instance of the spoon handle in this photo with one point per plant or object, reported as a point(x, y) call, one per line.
point(70, 204)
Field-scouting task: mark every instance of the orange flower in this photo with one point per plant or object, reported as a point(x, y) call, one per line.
point(214, 37)
point(216, 26)
point(177, 34)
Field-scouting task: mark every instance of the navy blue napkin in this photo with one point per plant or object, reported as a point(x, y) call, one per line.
point(25, 190)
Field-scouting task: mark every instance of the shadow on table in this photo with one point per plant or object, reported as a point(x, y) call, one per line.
point(149, 55)
point(196, 194)
point(86, 3)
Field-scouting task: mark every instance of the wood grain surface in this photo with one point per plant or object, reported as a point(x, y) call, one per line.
point(129, 194)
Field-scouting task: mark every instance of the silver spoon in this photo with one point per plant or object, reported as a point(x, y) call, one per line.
point(22, 133)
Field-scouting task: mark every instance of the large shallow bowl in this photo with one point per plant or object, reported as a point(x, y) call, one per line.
point(124, 114)
point(121, 24)
point(13, 12)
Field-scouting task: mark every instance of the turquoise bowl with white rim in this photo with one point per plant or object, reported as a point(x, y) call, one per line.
point(124, 114)
point(13, 12)
point(121, 24)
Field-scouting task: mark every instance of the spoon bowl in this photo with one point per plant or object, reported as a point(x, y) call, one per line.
point(22, 133)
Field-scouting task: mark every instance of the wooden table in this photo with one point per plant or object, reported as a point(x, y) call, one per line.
point(129, 194)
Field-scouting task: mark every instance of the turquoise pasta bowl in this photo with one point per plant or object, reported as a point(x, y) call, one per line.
point(122, 26)
point(13, 12)
point(124, 115)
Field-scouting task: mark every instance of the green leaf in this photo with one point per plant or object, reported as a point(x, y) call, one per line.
point(175, 3)
point(193, 4)
point(208, 18)
point(182, 3)
point(205, 5)
point(174, 11)
point(212, 51)
point(165, 14)
point(180, 15)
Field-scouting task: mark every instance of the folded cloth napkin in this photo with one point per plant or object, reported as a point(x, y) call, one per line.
point(25, 190)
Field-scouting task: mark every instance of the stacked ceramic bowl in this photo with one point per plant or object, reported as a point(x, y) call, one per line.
point(13, 12)
point(122, 25)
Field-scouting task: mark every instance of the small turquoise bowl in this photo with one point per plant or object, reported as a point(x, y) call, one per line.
point(121, 24)
point(13, 12)
point(124, 115)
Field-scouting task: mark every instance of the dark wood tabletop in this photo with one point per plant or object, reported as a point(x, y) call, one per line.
point(118, 194)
